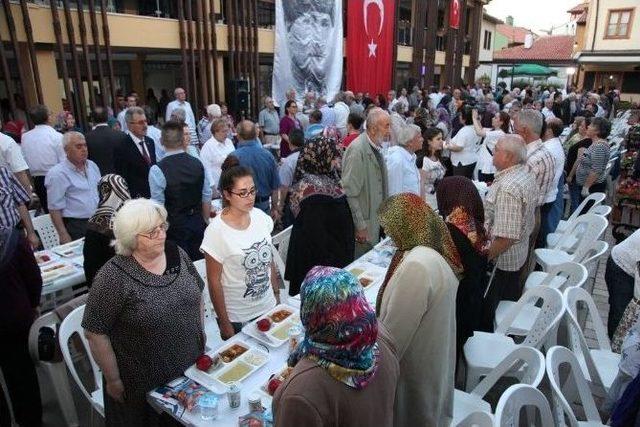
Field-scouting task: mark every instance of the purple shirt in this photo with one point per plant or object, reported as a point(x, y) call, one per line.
point(287, 124)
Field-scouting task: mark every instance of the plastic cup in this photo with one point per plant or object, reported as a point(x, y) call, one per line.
point(208, 404)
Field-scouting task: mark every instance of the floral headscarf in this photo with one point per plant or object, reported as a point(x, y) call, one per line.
point(410, 222)
point(460, 204)
point(315, 174)
point(341, 328)
point(113, 193)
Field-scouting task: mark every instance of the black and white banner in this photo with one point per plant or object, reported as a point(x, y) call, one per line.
point(308, 48)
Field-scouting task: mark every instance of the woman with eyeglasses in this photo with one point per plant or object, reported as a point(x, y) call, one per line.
point(238, 253)
point(144, 314)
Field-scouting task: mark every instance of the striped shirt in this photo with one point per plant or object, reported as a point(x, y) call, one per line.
point(509, 213)
point(12, 195)
point(541, 164)
point(593, 160)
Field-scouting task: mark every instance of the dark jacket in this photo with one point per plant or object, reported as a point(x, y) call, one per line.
point(130, 164)
point(102, 142)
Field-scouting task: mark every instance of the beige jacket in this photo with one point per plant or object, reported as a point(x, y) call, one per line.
point(419, 310)
point(364, 180)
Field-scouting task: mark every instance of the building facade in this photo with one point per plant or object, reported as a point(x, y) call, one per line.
point(608, 54)
point(488, 40)
point(76, 54)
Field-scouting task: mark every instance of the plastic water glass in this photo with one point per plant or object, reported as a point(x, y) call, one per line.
point(208, 403)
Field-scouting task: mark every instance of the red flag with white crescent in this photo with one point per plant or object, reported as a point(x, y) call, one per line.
point(370, 45)
point(454, 14)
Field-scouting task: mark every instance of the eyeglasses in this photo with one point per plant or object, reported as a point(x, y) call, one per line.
point(155, 233)
point(245, 193)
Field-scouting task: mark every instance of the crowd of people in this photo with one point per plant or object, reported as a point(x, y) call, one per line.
point(343, 174)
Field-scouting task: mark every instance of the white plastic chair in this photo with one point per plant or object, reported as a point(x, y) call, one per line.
point(563, 394)
point(594, 226)
point(560, 276)
point(526, 361)
point(602, 210)
point(599, 365)
point(597, 198)
point(55, 371)
point(477, 419)
point(5, 393)
point(69, 326)
point(281, 243)
point(46, 231)
point(484, 351)
point(569, 240)
point(520, 396)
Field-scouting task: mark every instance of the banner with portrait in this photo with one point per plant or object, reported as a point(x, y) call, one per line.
point(308, 48)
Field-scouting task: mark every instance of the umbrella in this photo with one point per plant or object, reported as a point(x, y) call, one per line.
point(533, 70)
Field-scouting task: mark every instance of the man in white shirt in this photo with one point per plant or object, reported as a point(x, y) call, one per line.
point(11, 157)
point(402, 171)
point(42, 149)
point(402, 99)
point(547, 111)
point(391, 100)
point(215, 151)
point(132, 101)
point(181, 102)
point(551, 211)
point(342, 113)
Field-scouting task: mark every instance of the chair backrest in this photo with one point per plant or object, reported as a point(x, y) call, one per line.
point(48, 319)
point(557, 356)
point(477, 419)
point(596, 198)
point(572, 297)
point(548, 318)
point(48, 234)
point(598, 249)
point(522, 355)
point(594, 226)
point(571, 273)
point(520, 396)
point(69, 326)
point(602, 210)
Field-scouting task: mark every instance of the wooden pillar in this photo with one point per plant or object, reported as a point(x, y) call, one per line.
point(476, 28)
point(193, 95)
point(6, 75)
point(49, 78)
point(107, 41)
point(204, 86)
point(183, 46)
point(451, 33)
point(460, 45)
point(16, 48)
point(26, 19)
point(206, 35)
point(394, 62)
point(95, 36)
point(255, 96)
point(29, 94)
point(236, 40)
point(419, 22)
point(430, 42)
point(71, 33)
point(137, 74)
point(57, 29)
point(85, 52)
point(214, 51)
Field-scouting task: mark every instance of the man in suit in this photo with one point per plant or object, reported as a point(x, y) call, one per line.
point(135, 156)
point(364, 179)
point(102, 141)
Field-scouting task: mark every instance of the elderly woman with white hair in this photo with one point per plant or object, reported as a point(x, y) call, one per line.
point(144, 315)
point(404, 176)
point(204, 125)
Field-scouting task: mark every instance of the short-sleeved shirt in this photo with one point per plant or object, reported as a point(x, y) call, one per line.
point(542, 166)
point(12, 194)
point(594, 160)
point(246, 257)
point(485, 154)
point(287, 124)
point(288, 168)
point(509, 213)
point(555, 148)
point(269, 121)
point(253, 155)
point(72, 191)
point(11, 155)
point(212, 155)
point(42, 149)
point(468, 140)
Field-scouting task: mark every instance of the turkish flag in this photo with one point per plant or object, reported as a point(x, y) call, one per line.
point(370, 45)
point(454, 14)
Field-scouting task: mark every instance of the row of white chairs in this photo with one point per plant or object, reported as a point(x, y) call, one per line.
point(495, 356)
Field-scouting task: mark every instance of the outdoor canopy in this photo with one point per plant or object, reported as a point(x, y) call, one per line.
point(533, 70)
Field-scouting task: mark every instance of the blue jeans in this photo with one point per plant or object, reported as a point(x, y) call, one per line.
point(574, 193)
point(550, 216)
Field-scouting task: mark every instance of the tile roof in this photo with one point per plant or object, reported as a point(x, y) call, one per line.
point(514, 34)
point(582, 19)
point(579, 8)
point(544, 49)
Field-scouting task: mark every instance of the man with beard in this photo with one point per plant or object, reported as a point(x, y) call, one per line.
point(308, 24)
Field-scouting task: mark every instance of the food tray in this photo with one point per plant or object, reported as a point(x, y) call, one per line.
point(55, 270)
point(45, 257)
point(367, 275)
point(283, 374)
point(237, 370)
point(71, 249)
point(279, 332)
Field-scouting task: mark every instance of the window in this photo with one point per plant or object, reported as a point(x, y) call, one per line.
point(619, 23)
point(486, 45)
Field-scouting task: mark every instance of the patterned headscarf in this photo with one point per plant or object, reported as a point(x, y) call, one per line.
point(410, 222)
point(315, 174)
point(341, 328)
point(460, 204)
point(113, 193)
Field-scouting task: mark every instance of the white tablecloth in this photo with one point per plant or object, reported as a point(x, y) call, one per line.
point(50, 289)
point(377, 260)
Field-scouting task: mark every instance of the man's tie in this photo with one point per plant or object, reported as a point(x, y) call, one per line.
point(145, 154)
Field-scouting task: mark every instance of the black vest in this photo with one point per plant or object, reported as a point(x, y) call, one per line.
point(183, 194)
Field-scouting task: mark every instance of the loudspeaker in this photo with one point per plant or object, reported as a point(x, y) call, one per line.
point(238, 96)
